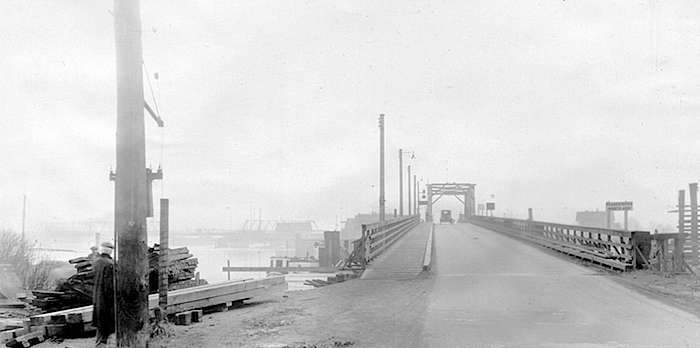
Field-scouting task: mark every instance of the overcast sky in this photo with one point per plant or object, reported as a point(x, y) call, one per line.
point(554, 105)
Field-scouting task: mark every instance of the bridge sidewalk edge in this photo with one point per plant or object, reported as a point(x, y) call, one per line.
point(428, 256)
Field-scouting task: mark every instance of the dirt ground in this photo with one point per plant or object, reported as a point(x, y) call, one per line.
point(339, 316)
point(332, 316)
point(681, 290)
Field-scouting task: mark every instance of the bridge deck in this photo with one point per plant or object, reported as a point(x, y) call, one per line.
point(493, 290)
point(404, 259)
point(476, 295)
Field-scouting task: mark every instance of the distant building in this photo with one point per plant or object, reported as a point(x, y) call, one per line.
point(307, 246)
point(594, 219)
point(353, 226)
point(292, 229)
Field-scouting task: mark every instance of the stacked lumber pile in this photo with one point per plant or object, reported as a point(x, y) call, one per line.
point(191, 304)
point(76, 291)
point(73, 292)
point(18, 333)
point(182, 269)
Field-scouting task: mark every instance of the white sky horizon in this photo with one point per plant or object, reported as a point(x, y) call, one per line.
point(555, 105)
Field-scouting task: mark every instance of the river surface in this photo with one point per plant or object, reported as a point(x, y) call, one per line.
point(211, 260)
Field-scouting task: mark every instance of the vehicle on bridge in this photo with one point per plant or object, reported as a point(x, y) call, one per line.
point(446, 216)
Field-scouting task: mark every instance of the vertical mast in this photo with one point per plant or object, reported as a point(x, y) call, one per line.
point(24, 214)
point(400, 182)
point(131, 206)
point(410, 209)
point(415, 195)
point(382, 217)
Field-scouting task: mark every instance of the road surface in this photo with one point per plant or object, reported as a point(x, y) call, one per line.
point(485, 290)
point(493, 291)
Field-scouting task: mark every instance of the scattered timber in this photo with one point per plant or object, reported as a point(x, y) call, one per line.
point(76, 291)
point(281, 269)
point(338, 278)
point(195, 301)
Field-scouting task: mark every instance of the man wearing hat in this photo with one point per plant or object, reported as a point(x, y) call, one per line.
point(103, 294)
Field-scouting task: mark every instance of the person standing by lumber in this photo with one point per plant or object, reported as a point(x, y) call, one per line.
point(103, 295)
point(93, 253)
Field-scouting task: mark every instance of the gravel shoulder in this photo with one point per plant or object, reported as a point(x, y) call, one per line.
point(681, 291)
point(336, 315)
point(387, 310)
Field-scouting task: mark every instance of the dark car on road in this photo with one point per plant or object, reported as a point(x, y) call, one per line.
point(446, 217)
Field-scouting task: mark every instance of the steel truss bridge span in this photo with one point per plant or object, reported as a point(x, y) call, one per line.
point(464, 193)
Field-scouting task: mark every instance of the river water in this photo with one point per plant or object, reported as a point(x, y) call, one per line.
point(211, 260)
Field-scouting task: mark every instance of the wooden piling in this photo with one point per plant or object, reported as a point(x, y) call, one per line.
point(163, 254)
point(693, 192)
point(130, 196)
point(678, 243)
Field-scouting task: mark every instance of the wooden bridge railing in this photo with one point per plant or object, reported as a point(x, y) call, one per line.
point(617, 249)
point(376, 238)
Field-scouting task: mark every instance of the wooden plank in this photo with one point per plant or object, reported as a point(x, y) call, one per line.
point(11, 324)
point(5, 336)
point(280, 269)
point(212, 301)
point(185, 299)
point(209, 291)
point(26, 340)
point(55, 330)
point(197, 315)
point(79, 259)
point(184, 318)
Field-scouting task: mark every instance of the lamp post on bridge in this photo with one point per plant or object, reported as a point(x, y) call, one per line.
point(415, 195)
point(410, 211)
point(382, 216)
point(401, 153)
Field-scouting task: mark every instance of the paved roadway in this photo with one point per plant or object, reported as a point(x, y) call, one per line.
point(493, 291)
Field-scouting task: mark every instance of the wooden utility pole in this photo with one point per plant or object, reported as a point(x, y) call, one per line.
point(131, 204)
point(693, 192)
point(415, 196)
point(408, 187)
point(24, 214)
point(382, 201)
point(429, 208)
point(400, 182)
point(163, 254)
point(679, 242)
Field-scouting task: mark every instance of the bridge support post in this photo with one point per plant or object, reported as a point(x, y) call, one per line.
point(415, 196)
point(408, 186)
point(163, 254)
point(693, 191)
point(382, 217)
point(678, 243)
point(400, 182)
point(131, 290)
point(466, 205)
point(429, 208)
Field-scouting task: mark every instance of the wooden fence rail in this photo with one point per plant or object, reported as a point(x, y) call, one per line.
point(377, 238)
point(616, 249)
